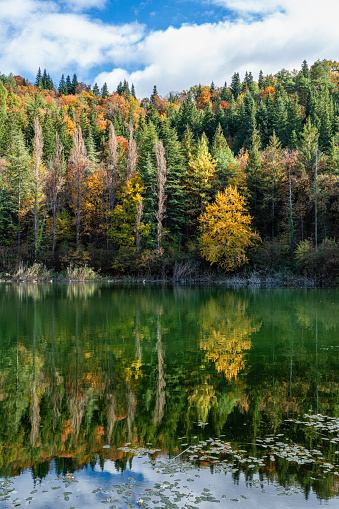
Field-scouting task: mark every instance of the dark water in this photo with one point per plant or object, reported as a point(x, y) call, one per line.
point(168, 397)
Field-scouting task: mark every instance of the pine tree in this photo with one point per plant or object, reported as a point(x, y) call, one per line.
point(96, 90)
point(133, 91)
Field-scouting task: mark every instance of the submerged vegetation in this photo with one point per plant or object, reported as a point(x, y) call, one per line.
point(139, 187)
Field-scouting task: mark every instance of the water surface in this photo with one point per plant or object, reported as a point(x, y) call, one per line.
point(149, 396)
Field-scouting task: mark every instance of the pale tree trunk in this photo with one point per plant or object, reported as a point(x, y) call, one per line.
point(79, 163)
point(139, 211)
point(161, 182)
point(57, 184)
point(111, 175)
point(161, 383)
point(38, 144)
point(132, 155)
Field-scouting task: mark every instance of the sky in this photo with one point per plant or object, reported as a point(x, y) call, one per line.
point(173, 44)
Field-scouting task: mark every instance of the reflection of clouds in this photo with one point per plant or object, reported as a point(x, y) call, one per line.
point(103, 479)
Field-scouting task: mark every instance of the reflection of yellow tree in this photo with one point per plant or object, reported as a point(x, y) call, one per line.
point(226, 334)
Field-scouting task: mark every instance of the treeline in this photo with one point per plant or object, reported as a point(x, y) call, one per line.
point(128, 185)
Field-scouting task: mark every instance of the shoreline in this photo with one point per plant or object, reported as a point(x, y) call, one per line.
point(252, 280)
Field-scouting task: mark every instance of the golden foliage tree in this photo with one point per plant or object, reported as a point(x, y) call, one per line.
point(226, 230)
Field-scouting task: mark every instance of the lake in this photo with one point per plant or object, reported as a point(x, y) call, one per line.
point(168, 396)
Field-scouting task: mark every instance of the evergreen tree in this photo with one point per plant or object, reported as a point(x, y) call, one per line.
point(208, 122)
point(104, 90)
point(225, 96)
point(261, 82)
point(63, 86)
point(38, 79)
point(133, 91)
point(48, 131)
point(236, 85)
point(84, 123)
point(96, 90)
point(226, 164)
point(69, 85)
point(176, 193)
point(91, 151)
point(305, 70)
point(154, 93)
point(74, 84)
point(71, 113)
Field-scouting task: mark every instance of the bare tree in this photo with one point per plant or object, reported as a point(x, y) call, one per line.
point(132, 155)
point(139, 211)
point(161, 383)
point(38, 143)
point(78, 172)
point(111, 173)
point(54, 184)
point(161, 182)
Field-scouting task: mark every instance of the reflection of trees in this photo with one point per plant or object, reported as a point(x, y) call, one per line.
point(226, 331)
point(78, 371)
point(161, 384)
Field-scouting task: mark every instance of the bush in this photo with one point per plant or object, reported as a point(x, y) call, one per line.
point(322, 263)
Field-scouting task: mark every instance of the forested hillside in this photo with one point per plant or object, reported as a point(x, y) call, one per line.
point(170, 185)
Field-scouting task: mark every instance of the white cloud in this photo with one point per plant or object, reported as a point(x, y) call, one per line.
point(177, 58)
point(37, 33)
point(251, 6)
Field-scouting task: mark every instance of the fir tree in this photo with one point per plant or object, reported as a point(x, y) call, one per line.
point(38, 79)
point(104, 90)
point(63, 86)
point(236, 85)
point(74, 84)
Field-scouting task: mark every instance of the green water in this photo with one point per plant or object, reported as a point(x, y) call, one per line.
point(114, 394)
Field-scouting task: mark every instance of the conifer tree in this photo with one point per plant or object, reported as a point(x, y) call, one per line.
point(74, 84)
point(236, 85)
point(68, 84)
point(96, 90)
point(38, 79)
point(63, 86)
point(104, 90)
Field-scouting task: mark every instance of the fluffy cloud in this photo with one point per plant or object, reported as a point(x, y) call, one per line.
point(175, 59)
point(38, 33)
point(261, 34)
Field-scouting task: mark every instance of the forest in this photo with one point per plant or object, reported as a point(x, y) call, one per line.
point(212, 179)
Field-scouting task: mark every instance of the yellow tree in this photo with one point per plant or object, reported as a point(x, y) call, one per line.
point(226, 230)
point(200, 177)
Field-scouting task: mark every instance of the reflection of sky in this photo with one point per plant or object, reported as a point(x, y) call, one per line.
point(89, 480)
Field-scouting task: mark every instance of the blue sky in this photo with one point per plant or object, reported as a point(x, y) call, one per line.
point(172, 44)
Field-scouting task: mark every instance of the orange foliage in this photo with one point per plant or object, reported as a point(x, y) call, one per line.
point(70, 125)
point(117, 103)
point(203, 100)
point(268, 90)
point(123, 143)
point(102, 124)
point(225, 105)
